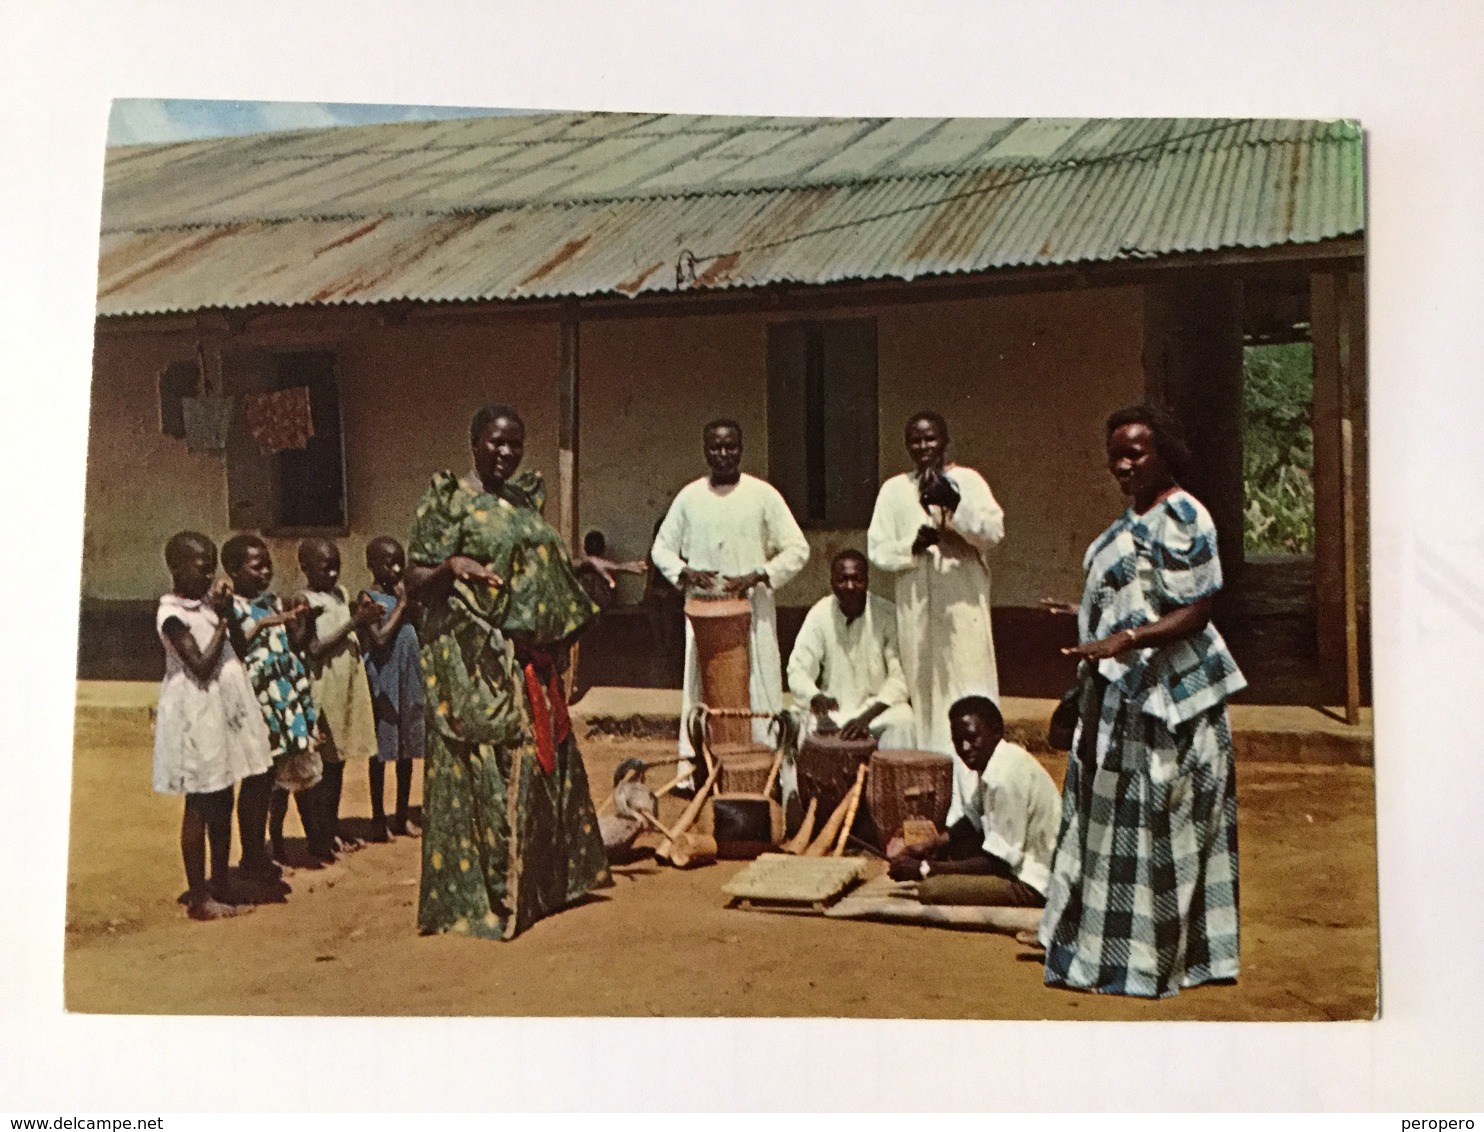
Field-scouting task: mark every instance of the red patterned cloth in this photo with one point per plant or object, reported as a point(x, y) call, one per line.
point(280, 419)
point(549, 718)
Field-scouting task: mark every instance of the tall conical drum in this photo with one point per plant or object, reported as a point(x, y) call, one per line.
point(723, 627)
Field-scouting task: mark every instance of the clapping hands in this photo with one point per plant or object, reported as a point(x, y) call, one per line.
point(219, 597)
point(367, 611)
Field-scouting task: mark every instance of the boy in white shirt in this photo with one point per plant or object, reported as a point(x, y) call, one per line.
point(1004, 818)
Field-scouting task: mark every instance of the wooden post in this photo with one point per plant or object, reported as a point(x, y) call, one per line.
point(1337, 321)
point(567, 436)
point(1193, 363)
point(1344, 310)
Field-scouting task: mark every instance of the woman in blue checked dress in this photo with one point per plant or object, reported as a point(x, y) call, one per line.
point(1143, 891)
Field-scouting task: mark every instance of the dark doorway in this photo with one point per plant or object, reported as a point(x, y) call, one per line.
point(311, 480)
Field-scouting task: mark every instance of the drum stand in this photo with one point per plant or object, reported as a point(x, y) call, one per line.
point(746, 819)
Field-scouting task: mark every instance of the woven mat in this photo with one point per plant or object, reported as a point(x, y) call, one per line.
point(803, 880)
point(887, 899)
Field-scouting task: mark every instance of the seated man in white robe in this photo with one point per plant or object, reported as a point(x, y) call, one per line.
point(844, 672)
point(1002, 823)
point(729, 533)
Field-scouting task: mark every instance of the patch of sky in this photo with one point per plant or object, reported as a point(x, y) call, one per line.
point(135, 121)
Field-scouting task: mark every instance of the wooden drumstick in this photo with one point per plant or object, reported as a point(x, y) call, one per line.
point(646, 816)
point(855, 801)
point(826, 836)
point(629, 775)
point(674, 847)
point(608, 801)
point(687, 819)
point(773, 774)
point(800, 840)
point(826, 839)
point(683, 849)
point(667, 787)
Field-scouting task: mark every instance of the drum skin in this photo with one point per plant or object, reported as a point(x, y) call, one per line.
point(827, 766)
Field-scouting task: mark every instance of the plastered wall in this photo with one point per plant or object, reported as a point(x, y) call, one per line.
point(1025, 382)
point(407, 393)
point(142, 486)
point(648, 388)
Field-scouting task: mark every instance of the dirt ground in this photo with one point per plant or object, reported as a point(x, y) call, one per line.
point(662, 942)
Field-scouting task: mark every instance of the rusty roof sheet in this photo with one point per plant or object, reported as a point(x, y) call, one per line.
point(585, 204)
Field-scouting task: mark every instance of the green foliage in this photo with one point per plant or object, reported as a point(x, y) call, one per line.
point(1278, 449)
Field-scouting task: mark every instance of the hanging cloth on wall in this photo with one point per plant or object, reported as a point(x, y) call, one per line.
point(206, 420)
point(280, 419)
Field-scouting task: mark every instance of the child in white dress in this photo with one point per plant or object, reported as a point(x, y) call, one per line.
point(209, 732)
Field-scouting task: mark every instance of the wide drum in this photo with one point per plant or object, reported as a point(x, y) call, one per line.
point(908, 784)
point(722, 628)
point(826, 769)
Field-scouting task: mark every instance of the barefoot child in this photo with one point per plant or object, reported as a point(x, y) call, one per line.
point(267, 629)
point(209, 734)
point(396, 680)
point(337, 681)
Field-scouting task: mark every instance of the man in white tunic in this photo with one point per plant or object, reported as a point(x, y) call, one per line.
point(932, 528)
point(1003, 820)
point(844, 670)
point(731, 533)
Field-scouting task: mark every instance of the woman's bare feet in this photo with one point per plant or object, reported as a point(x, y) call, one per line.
point(1029, 939)
point(264, 870)
point(213, 909)
point(222, 891)
point(348, 844)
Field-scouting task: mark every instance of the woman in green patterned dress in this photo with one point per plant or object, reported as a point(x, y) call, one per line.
point(509, 831)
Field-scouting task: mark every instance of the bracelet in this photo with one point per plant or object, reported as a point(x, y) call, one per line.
point(1129, 633)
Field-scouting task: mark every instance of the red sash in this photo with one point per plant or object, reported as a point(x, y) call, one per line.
point(549, 717)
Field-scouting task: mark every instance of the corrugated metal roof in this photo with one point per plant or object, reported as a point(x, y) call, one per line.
point(583, 204)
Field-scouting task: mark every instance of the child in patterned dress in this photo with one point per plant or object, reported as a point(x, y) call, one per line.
point(267, 631)
point(209, 733)
point(397, 698)
point(337, 681)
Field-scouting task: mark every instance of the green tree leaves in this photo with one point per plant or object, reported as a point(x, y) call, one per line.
point(1278, 449)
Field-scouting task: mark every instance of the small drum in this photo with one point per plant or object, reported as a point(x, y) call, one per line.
point(827, 766)
point(745, 825)
point(742, 768)
point(743, 821)
point(908, 784)
point(723, 628)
